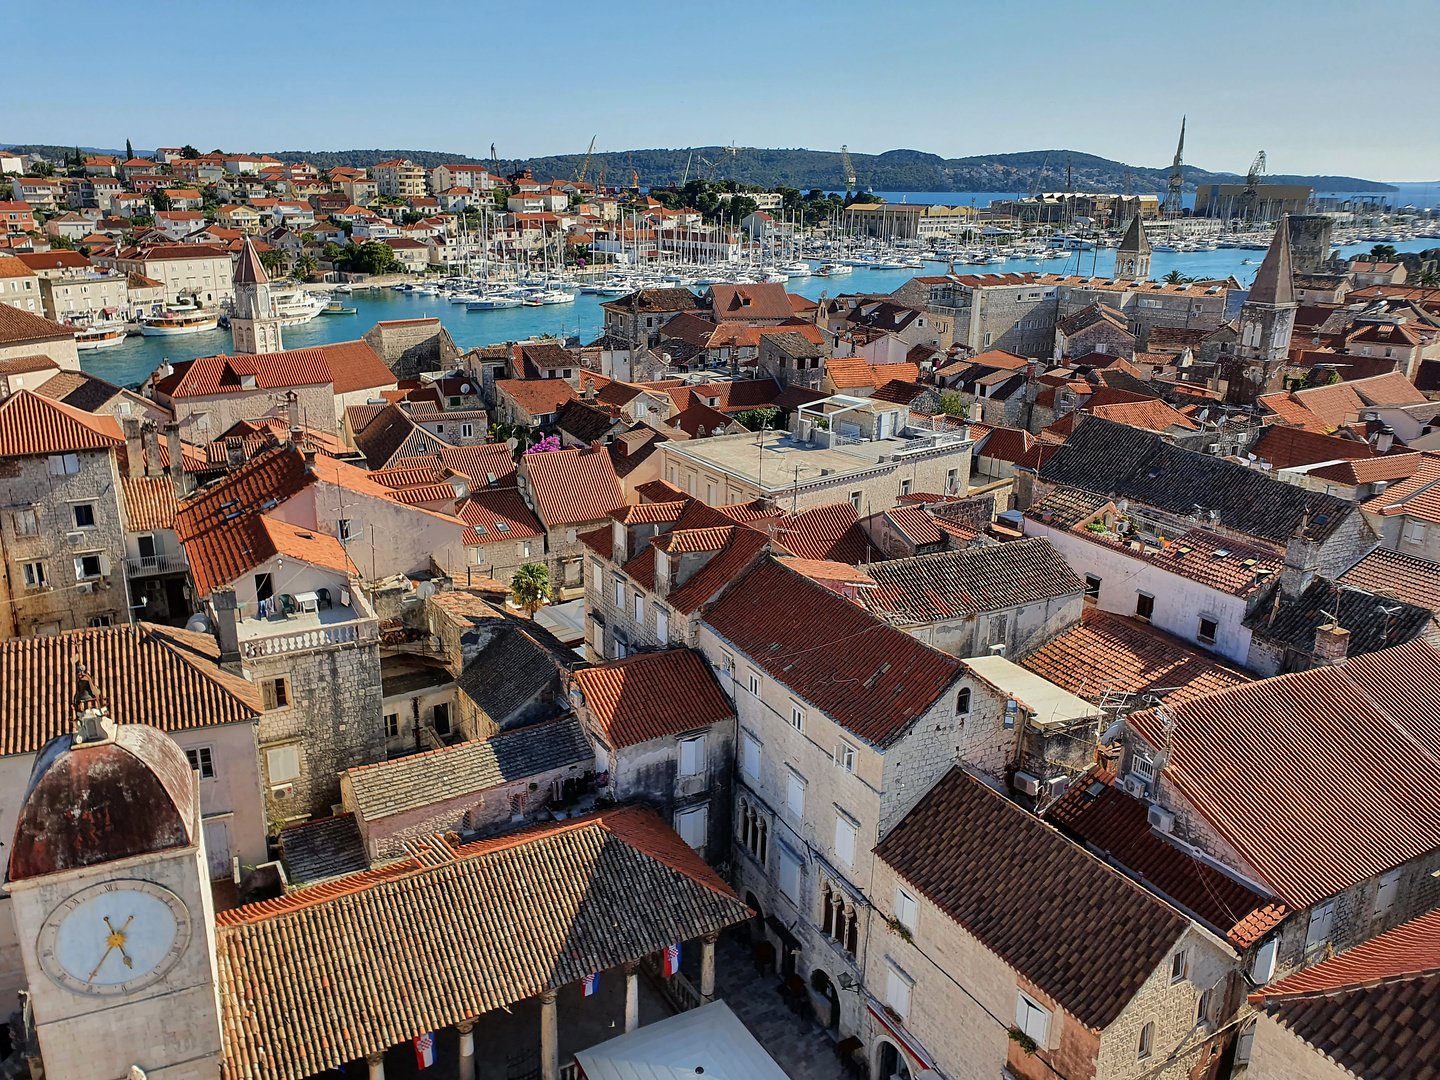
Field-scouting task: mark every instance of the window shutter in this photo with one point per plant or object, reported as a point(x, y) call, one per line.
point(795, 795)
point(752, 757)
point(79, 569)
point(662, 625)
point(789, 875)
point(639, 608)
point(844, 841)
point(1264, 968)
point(267, 694)
point(897, 992)
point(905, 910)
point(105, 564)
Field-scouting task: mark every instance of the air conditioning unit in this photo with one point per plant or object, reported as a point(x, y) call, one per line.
point(1030, 785)
point(282, 791)
point(1057, 786)
point(85, 587)
point(75, 538)
point(1135, 786)
point(1161, 819)
point(1378, 486)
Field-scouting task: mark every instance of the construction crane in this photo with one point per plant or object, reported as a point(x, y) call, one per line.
point(1176, 184)
point(848, 168)
point(585, 165)
point(685, 177)
point(710, 173)
point(1038, 178)
point(600, 176)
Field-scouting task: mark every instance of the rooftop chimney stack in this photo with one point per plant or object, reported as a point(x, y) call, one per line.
point(1302, 562)
point(1332, 643)
point(178, 476)
point(134, 448)
point(150, 433)
point(227, 633)
point(292, 408)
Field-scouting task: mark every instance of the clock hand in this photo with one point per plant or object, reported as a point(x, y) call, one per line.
point(101, 964)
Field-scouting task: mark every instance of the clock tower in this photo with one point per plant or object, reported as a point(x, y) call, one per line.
point(254, 322)
point(112, 905)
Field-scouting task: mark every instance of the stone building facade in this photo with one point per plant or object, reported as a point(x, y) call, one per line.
point(410, 346)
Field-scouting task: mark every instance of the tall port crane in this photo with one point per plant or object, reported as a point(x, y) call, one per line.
point(1176, 185)
point(848, 168)
point(585, 165)
point(1251, 199)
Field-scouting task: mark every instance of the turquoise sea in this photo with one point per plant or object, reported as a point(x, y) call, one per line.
point(130, 363)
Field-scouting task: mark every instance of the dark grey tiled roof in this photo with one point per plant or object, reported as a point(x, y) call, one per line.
point(586, 422)
point(1067, 507)
point(1130, 463)
point(330, 847)
point(392, 787)
point(1374, 622)
point(512, 670)
point(949, 584)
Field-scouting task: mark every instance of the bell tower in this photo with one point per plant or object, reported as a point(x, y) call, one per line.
point(254, 324)
point(112, 904)
point(1267, 320)
point(1132, 257)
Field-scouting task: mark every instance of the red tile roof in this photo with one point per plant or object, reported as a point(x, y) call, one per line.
point(22, 328)
point(571, 487)
point(1391, 573)
point(32, 424)
point(223, 374)
point(1081, 931)
point(863, 673)
point(750, 303)
point(830, 533)
point(538, 397)
point(1418, 496)
point(653, 696)
point(149, 502)
point(1286, 447)
point(1339, 728)
point(1114, 652)
point(917, 524)
point(1387, 467)
point(486, 509)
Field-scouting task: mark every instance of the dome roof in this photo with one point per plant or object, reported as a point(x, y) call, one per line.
point(96, 802)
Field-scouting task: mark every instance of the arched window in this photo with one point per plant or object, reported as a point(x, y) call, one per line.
point(1147, 1040)
point(962, 701)
point(828, 912)
point(852, 936)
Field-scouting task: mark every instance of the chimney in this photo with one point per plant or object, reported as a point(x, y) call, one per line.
point(178, 476)
point(1302, 561)
point(309, 460)
point(1384, 439)
point(292, 409)
point(150, 433)
point(134, 448)
point(227, 633)
point(1332, 643)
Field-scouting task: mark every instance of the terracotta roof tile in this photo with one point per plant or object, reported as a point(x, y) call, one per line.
point(1418, 496)
point(863, 673)
point(487, 509)
point(831, 533)
point(953, 584)
point(916, 524)
point(1393, 574)
point(1079, 930)
point(538, 397)
point(1387, 467)
point(149, 502)
point(1286, 447)
point(222, 374)
point(21, 327)
point(570, 487)
point(32, 424)
point(653, 696)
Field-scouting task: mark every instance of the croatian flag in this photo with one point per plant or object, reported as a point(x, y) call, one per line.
point(425, 1050)
point(589, 984)
point(672, 959)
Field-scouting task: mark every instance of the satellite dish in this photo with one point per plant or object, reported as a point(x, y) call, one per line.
point(465, 388)
point(512, 442)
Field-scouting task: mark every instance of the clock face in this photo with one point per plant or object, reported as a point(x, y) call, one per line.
point(114, 938)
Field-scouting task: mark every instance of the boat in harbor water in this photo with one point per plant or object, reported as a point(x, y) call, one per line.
point(179, 319)
point(99, 337)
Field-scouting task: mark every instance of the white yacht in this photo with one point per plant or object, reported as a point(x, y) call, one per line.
point(179, 319)
point(99, 337)
point(295, 307)
point(797, 269)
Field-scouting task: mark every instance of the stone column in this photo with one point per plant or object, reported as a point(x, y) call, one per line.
point(549, 1038)
point(466, 1028)
point(707, 968)
point(632, 994)
point(377, 1066)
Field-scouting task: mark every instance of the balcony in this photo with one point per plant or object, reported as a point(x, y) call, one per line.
point(149, 565)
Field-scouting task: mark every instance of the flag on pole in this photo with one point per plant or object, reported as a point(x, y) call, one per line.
point(589, 984)
point(672, 959)
point(425, 1050)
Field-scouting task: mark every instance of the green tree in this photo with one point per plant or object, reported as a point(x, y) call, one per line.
point(63, 243)
point(332, 251)
point(189, 152)
point(273, 261)
point(145, 220)
point(1174, 277)
point(952, 404)
point(755, 419)
point(305, 266)
point(43, 168)
point(1383, 253)
point(1427, 279)
point(129, 151)
point(501, 196)
point(1322, 376)
point(531, 587)
point(6, 193)
point(307, 237)
point(160, 199)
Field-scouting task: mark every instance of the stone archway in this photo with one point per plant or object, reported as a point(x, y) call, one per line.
point(890, 1062)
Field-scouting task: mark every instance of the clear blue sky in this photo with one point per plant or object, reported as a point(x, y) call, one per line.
point(1321, 86)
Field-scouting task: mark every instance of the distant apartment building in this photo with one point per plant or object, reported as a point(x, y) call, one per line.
point(400, 178)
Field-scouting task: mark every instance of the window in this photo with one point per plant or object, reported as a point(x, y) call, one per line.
point(907, 486)
point(755, 683)
point(1208, 629)
point(264, 587)
point(1386, 893)
point(845, 756)
point(34, 574)
point(25, 523)
point(692, 825)
point(795, 794)
point(201, 762)
point(789, 876)
point(89, 566)
point(1243, 1044)
point(662, 625)
point(962, 701)
point(797, 717)
point(1202, 1011)
point(1413, 533)
point(441, 716)
point(1147, 1041)
point(347, 529)
point(275, 693)
point(952, 481)
point(855, 500)
point(844, 840)
point(906, 910)
point(897, 991)
point(639, 608)
point(620, 595)
point(283, 763)
point(750, 759)
point(1179, 966)
point(392, 725)
point(1033, 1019)
point(1144, 606)
point(467, 431)
point(692, 756)
point(64, 464)
point(1092, 587)
point(1322, 918)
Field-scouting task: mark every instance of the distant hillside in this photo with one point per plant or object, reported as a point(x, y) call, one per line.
point(895, 170)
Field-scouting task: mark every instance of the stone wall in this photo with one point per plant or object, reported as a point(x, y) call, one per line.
point(409, 347)
point(1277, 1053)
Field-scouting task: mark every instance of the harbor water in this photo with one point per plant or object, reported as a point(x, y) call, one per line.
point(130, 363)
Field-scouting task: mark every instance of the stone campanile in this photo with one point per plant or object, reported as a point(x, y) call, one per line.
point(254, 324)
point(1267, 319)
point(1132, 257)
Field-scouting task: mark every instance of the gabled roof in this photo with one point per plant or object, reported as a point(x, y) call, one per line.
point(617, 886)
point(866, 675)
point(830, 533)
point(1286, 447)
point(1418, 496)
point(653, 696)
point(222, 374)
point(1388, 467)
point(1108, 652)
point(538, 397)
point(1393, 574)
point(1373, 622)
point(21, 327)
point(915, 524)
point(1339, 728)
point(143, 674)
point(745, 303)
point(571, 487)
point(1126, 462)
point(1084, 933)
point(954, 584)
point(487, 509)
point(149, 502)
point(1372, 1010)
point(32, 424)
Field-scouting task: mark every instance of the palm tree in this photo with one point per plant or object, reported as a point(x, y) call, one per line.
point(305, 266)
point(1174, 277)
point(531, 587)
